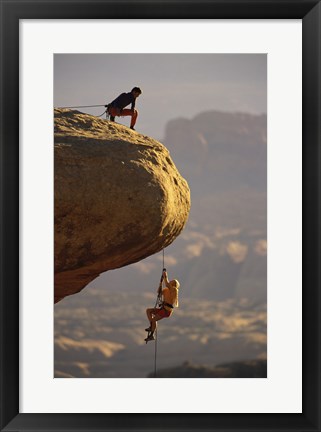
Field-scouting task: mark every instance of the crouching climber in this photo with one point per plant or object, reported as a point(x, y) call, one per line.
point(169, 296)
point(117, 106)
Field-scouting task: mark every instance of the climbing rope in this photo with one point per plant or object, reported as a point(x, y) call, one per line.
point(88, 106)
point(155, 359)
point(157, 303)
point(102, 113)
point(163, 258)
point(82, 106)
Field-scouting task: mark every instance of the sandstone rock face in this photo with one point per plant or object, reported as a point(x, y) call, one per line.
point(118, 198)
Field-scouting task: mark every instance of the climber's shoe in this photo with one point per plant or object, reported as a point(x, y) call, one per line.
point(150, 337)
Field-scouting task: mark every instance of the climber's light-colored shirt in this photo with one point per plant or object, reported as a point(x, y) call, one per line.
point(169, 295)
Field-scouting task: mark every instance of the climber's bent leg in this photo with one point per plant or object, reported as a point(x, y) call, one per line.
point(113, 112)
point(156, 314)
point(155, 318)
point(132, 113)
point(153, 327)
point(150, 312)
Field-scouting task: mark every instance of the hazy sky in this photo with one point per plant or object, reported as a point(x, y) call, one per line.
point(173, 85)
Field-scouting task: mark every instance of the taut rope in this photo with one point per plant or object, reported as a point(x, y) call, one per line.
point(155, 359)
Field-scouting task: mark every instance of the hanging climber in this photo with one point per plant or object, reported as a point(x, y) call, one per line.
point(117, 106)
point(169, 297)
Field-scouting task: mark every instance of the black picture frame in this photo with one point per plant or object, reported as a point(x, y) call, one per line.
point(11, 12)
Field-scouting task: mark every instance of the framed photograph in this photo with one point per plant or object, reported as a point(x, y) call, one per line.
point(168, 154)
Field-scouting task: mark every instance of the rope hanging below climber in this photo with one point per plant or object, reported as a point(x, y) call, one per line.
point(167, 299)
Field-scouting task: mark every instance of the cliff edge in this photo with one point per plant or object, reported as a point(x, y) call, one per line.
point(118, 198)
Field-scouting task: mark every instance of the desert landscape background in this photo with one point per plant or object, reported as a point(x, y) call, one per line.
point(220, 259)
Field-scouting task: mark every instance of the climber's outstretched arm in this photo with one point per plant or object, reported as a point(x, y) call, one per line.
point(166, 278)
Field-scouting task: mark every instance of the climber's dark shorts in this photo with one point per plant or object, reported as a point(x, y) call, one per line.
point(164, 313)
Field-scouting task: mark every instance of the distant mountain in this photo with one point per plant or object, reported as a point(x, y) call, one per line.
point(244, 369)
point(223, 273)
point(224, 158)
point(223, 151)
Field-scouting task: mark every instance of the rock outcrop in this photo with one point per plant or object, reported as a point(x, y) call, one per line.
point(118, 198)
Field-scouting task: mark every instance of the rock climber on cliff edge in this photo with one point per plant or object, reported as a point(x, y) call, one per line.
point(117, 106)
point(169, 301)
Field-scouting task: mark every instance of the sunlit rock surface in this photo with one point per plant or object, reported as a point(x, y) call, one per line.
point(118, 198)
